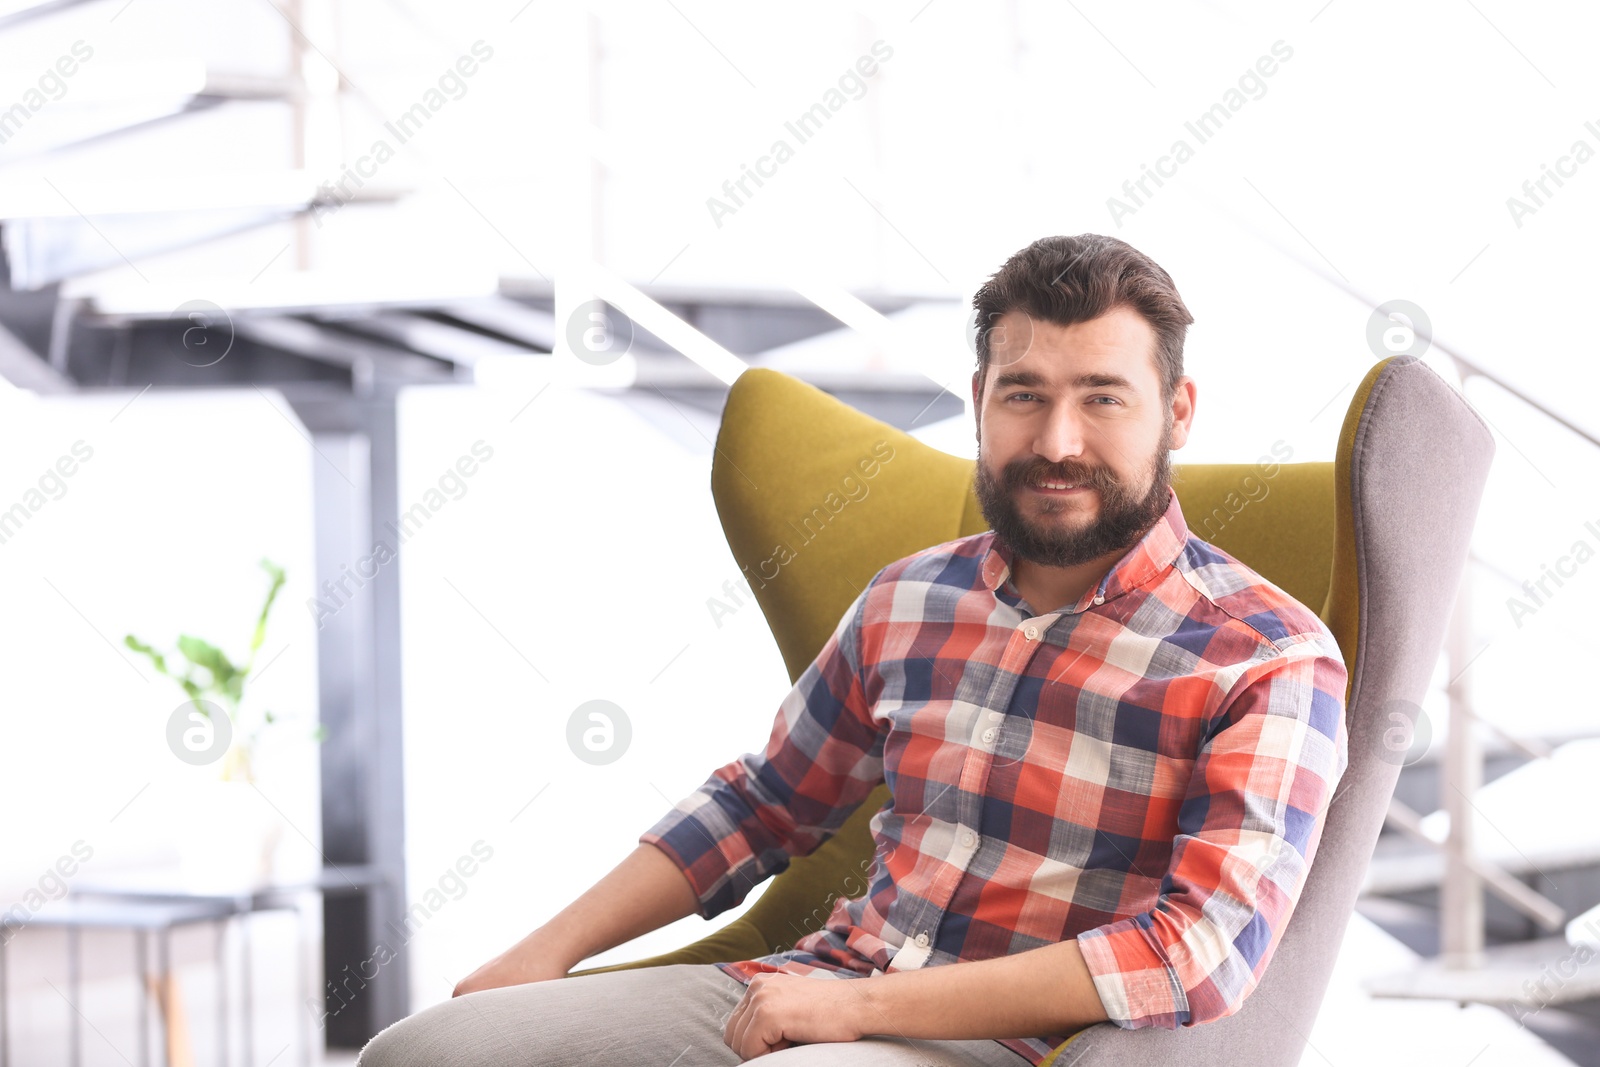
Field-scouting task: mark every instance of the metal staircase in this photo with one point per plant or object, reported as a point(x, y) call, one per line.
point(80, 311)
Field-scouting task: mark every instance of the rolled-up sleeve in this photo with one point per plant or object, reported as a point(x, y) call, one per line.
point(1247, 831)
point(753, 815)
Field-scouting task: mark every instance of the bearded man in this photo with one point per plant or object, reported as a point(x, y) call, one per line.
point(1109, 746)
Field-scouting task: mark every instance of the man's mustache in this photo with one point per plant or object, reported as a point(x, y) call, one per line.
point(1071, 473)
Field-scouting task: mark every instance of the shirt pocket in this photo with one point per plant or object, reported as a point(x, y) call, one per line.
point(925, 753)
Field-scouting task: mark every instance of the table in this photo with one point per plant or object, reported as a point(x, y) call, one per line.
point(143, 917)
point(164, 887)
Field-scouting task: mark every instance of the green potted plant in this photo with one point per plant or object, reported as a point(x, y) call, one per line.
point(228, 836)
point(210, 678)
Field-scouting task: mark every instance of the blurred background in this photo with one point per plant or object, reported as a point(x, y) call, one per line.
point(367, 355)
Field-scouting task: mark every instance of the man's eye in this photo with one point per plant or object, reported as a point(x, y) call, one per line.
point(1113, 399)
point(1014, 396)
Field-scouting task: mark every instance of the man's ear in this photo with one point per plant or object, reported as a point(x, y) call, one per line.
point(1183, 398)
point(977, 403)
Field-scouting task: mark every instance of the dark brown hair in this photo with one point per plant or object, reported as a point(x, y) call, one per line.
point(1067, 280)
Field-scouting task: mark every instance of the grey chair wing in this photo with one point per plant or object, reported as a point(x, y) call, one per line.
point(1412, 464)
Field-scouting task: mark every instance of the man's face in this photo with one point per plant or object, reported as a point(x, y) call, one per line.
point(1079, 406)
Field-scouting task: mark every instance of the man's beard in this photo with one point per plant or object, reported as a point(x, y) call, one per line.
point(1124, 515)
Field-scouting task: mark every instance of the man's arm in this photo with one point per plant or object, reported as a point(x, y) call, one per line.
point(644, 892)
point(1254, 814)
point(822, 758)
point(1248, 828)
point(1046, 990)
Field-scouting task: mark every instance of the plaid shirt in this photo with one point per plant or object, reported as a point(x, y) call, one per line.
point(1145, 770)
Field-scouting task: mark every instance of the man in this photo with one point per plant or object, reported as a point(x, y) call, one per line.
point(1109, 745)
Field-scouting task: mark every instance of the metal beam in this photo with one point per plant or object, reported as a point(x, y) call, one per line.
point(358, 665)
point(458, 345)
point(632, 302)
point(1534, 905)
point(517, 322)
point(313, 341)
point(1461, 933)
point(25, 370)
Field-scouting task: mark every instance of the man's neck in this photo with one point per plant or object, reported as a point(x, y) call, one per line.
point(1048, 588)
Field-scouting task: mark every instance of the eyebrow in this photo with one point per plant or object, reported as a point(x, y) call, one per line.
point(1035, 380)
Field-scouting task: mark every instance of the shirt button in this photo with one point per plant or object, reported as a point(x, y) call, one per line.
point(968, 838)
point(988, 735)
point(1099, 600)
point(1031, 633)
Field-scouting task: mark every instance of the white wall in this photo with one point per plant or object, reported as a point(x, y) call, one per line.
point(156, 533)
point(576, 566)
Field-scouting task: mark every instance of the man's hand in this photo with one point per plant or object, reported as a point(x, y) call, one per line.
point(779, 1010)
point(1045, 990)
point(517, 965)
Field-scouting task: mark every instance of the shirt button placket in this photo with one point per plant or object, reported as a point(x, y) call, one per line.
point(1014, 663)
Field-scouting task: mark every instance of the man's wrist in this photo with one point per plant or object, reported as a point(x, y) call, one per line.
point(867, 1013)
point(547, 943)
point(1044, 990)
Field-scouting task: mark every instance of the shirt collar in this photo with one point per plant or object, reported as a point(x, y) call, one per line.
point(1148, 558)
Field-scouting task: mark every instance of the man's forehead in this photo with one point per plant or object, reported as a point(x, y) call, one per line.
point(1117, 348)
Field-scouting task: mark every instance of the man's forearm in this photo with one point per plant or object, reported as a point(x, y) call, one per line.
point(644, 892)
point(1046, 990)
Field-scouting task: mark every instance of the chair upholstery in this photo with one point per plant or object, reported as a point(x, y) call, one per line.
point(1377, 539)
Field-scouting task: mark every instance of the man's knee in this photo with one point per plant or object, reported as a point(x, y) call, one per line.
point(490, 1028)
point(386, 1049)
point(549, 1020)
point(433, 1035)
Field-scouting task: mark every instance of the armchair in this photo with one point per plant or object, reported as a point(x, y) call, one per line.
point(1376, 540)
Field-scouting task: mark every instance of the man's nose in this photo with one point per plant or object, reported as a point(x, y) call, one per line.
point(1061, 434)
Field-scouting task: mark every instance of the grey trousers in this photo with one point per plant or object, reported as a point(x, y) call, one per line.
point(666, 1016)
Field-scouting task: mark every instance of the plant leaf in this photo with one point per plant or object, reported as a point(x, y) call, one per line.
point(272, 594)
point(204, 654)
point(157, 658)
